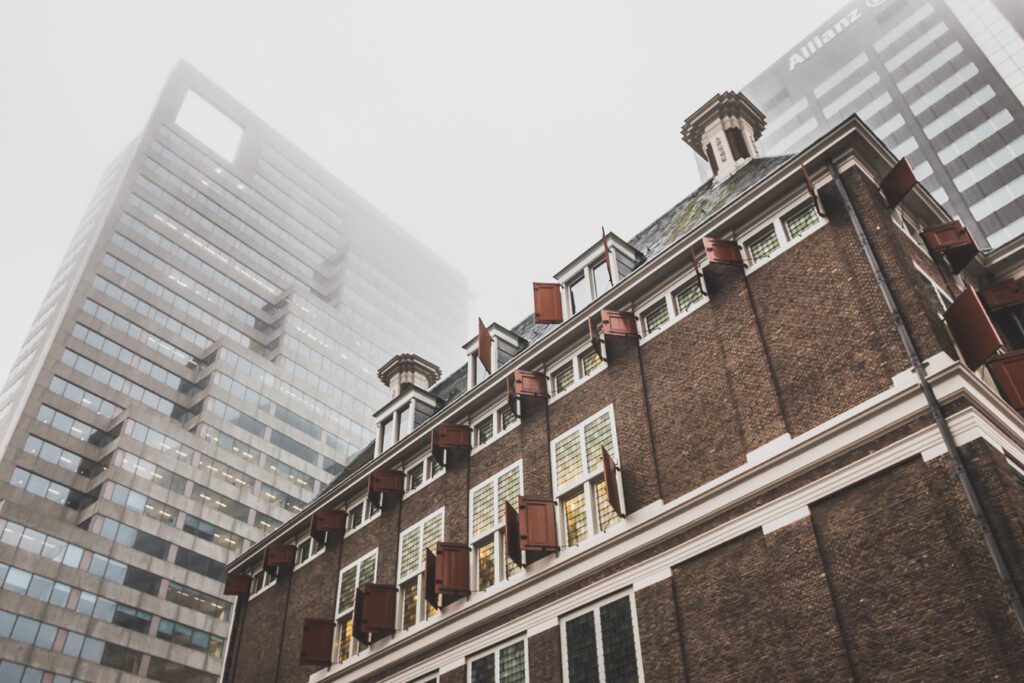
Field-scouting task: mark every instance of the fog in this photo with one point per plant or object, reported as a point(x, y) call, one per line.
point(503, 136)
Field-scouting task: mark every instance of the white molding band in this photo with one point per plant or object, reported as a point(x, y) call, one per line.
point(786, 519)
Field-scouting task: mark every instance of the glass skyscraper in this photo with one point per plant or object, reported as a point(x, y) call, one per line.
point(940, 81)
point(204, 363)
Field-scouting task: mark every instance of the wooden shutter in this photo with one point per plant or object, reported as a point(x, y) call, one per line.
point(452, 577)
point(607, 255)
point(595, 338)
point(387, 481)
point(325, 520)
point(724, 252)
point(972, 329)
point(454, 436)
point(510, 395)
point(547, 302)
point(1004, 295)
point(279, 556)
point(430, 580)
point(954, 242)
point(897, 183)
point(1008, 372)
point(611, 483)
point(483, 345)
point(374, 612)
point(530, 384)
point(238, 584)
point(513, 549)
point(811, 190)
point(618, 324)
point(537, 525)
point(317, 641)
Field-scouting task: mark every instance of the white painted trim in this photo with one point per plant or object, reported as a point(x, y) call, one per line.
point(988, 417)
point(663, 574)
point(541, 627)
point(785, 519)
point(769, 450)
point(594, 608)
point(933, 452)
point(493, 652)
point(577, 372)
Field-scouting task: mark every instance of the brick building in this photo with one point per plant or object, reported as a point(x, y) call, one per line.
point(749, 443)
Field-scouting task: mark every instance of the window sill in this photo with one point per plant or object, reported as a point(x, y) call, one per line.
point(557, 397)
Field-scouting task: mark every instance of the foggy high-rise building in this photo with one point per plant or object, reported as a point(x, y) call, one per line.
point(203, 364)
point(940, 81)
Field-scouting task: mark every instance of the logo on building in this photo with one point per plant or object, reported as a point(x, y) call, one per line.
point(817, 42)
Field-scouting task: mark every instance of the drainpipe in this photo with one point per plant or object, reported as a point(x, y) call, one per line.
point(1012, 595)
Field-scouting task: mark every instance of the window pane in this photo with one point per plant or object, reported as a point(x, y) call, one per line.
point(508, 491)
point(579, 294)
point(409, 603)
point(602, 278)
point(344, 639)
point(568, 460)
point(482, 670)
point(581, 649)
point(574, 511)
point(347, 592)
point(617, 641)
point(589, 361)
point(563, 378)
point(764, 245)
point(802, 221)
point(688, 297)
point(507, 417)
point(483, 510)
point(512, 663)
point(598, 434)
point(655, 317)
point(484, 431)
point(485, 565)
point(606, 516)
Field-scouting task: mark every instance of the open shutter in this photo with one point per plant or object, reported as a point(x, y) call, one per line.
point(510, 395)
point(724, 252)
point(374, 612)
point(607, 255)
point(972, 329)
point(1004, 295)
point(513, 549)
point(547, 303)
point(1008, 372)
point(595, 338)
point(449, 437)
point(811, 190)
point(317, 640)
point(483, 345)
point(324, 521)
point(611, 483)
point(530, 384)
point(537, 525)
point(430, 580)
point(385, 481)
point(452, 577)
point(238, 584)
point(277, 556)
point(618, 324)
point(954, 242)
point(898, 182)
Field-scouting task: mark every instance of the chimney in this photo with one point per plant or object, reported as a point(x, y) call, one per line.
point(408, 370)
point(725, 131)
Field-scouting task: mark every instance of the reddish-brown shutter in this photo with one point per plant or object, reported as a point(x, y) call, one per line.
point(898, 182)
point(972, 329)
point(595, 338)
point(279, 556)
point(382, 482)
point(449, 437)
point(724, 252)
point(531, 384)
point(238, 584)
point(452, 576)
point(324, 521)
point(537, 525)
point(375, 610)
point(611, 483)
point(547, 302)
point(952, 240)
point(618, 324)
point(607, 256)
point(1008, 372)
point(317, 640)
point(483, 345)
point(513, 550)
point(1004, 295)
point(811, 190)
point(430, 580)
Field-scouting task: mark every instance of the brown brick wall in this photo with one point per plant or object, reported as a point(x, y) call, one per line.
point(457, 676)
point(262, 627)
point(660, 641)
point(545, 652)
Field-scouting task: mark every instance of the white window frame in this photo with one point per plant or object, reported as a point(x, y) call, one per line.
point(496, 533)
point(588, 480)
point(577, 371)
point(419, 575)
point(778, 224)
point(493, 652)
point(354, 646)
point(426, 465)
point(940, 292)
point(590, 273)
point(668, 295)
point(269, 580)
point(595, 607)
point(370, 512)
point(316, 549)
point(493, 414)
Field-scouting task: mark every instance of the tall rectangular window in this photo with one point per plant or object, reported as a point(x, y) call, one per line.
point(487, 525)
point(579, 477)
point(503, 664)
point(412, 546)
point(600, 643)
point(360, 572)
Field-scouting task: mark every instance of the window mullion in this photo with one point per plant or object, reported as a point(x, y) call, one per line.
point(599, 640)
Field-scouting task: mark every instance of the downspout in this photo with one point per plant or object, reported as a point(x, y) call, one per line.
point(1012, 595)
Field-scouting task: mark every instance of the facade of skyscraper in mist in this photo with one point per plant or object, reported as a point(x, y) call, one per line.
point(940, 81)
point(204, 362)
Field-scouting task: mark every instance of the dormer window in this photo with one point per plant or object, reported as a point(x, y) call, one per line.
point(587, 278)
point(500, 345)
point(409, 377)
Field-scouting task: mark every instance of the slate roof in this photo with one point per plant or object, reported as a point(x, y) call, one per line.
point(682, 220)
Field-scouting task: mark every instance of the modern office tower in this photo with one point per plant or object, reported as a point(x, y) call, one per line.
point(940, 81)
point(204, 364)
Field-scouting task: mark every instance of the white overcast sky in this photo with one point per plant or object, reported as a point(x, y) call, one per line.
point(503, 135)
